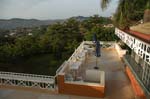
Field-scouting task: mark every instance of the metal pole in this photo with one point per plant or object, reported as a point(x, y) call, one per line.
point(96, 61)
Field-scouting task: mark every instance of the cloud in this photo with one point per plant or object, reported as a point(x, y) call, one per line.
point(51, 9)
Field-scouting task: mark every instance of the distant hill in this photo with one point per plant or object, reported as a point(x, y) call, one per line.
point(22, 23)
point(80, 18)
point(27, 23)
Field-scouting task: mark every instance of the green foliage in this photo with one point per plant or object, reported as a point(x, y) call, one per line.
point(95, 25)
point(103, 34)
point(39, 30)
point(49, 46)
point(128, 13)
point(95, 21)
point(104, 4)
point(148, 5)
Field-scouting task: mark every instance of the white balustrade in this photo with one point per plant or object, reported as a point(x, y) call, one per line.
point(27, 80)
point(43, 81)
point(141, 48)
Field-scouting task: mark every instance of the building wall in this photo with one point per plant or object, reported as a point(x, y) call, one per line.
point(142, 70)
point(141, 48)
point(136, 87)
point(141, 56)
point(120, 51)
point(77, 89)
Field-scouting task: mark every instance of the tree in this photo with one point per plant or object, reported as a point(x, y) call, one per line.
point(104, 4)
point(127, 13)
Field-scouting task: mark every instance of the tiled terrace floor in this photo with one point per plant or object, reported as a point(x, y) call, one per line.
point(117, 83)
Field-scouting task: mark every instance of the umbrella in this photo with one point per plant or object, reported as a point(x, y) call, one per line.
point(97, 48)
point(94, 38)
point(98, 52)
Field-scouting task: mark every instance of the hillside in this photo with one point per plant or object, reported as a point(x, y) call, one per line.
point(27, 23)
point(21, 23)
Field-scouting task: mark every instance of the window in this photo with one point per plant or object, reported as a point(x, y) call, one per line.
point(144, 56)
point(144, 47)
point(147, 58)
point(148, 50)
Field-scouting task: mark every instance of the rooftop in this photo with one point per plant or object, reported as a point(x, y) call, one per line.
point(141, 31)
point(118, 84)
point(142, 28)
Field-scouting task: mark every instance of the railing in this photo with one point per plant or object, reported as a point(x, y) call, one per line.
point(137, 71)
point(32, 80)
point(137, 45)
point(38, 81)
point(60, 68)
point(104, 44)
point(27, 80)
point(135, 67)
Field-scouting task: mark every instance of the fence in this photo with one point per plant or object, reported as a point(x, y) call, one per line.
point(27, 80)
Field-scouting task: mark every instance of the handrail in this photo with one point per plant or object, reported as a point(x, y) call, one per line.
point(137, 71)
point(27, 80)
point(59, 69)
point(27, 75)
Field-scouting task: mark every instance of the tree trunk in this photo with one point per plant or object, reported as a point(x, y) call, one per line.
point(147, 15)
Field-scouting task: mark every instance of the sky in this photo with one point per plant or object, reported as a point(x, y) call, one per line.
point(53, 9)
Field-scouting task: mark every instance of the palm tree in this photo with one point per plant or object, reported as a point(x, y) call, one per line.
point(127, 13)
point(104, 4)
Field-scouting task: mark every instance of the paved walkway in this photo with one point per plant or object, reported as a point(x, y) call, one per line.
point(117, 83)
point(19, 94)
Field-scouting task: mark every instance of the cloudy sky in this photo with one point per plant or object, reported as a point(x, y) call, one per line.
point(53, 9)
